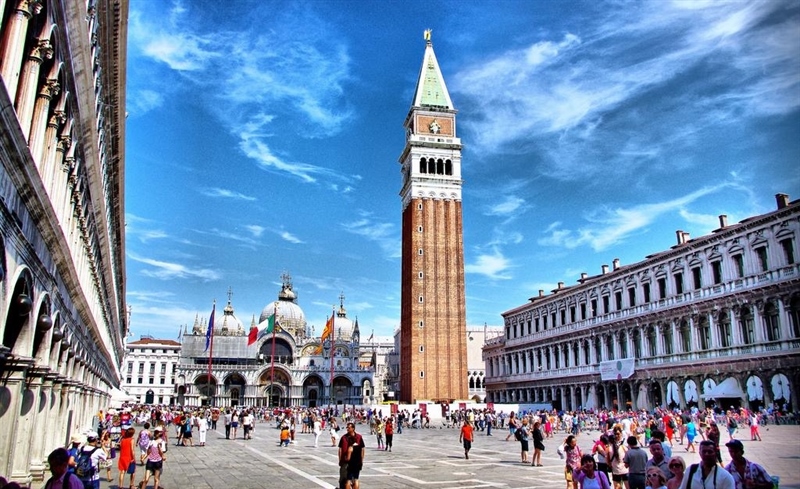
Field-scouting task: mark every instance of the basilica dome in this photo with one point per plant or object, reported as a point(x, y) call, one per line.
point(342, 326)
point(291, 317)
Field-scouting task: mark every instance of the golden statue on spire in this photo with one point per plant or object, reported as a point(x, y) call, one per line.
point(427, 34)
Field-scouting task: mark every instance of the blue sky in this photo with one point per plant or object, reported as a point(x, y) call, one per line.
point(263, 137)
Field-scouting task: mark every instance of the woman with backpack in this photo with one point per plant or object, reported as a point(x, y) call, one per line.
point(522, 436)
point(154, 459)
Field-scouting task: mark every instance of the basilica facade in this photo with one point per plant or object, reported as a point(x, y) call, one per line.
point(712, 321)
point(287, 366)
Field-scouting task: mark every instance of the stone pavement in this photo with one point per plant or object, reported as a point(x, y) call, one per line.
point(429, 458)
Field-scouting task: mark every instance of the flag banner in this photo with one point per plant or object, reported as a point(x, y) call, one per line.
point(617, 369)
point(252, 336)
point(326, 332)
point(266, 327)
point(210, 330)
point(180, 330)
point(370, 337)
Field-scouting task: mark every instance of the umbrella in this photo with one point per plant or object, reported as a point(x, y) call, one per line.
point(690, 391)
point(755, 388)
point(780, 387)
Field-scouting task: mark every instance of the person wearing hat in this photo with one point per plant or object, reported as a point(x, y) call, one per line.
point(74, 446)
point(746, 474)
point(94, 451)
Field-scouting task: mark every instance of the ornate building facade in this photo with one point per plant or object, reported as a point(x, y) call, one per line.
point(290, 367)
point(433, 308)
point(714, 320)
point(62, 235)
point(149, 370)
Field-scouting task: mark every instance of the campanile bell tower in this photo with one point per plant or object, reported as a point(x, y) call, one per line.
point(433, 349)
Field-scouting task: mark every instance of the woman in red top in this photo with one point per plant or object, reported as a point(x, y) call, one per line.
point(127, 458)
point(389, 432)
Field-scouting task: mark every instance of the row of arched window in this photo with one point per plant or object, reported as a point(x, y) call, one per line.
point(435, 167)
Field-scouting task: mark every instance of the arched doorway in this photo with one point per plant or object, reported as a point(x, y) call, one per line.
point(182, 395)
point(206, 388)
point(312, 390)
point(342, 390)
point(274, 393)
point(234, 389)
point(655, 391)
point(149, 396)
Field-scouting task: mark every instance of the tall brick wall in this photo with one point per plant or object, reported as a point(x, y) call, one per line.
point(442, 310)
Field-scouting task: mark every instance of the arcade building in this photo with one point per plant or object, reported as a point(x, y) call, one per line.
point(712, 321)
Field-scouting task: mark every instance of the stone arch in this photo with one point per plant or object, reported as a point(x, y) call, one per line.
point(313, 390)
point(44, 323)
point(342, 386)
point(17, 334)
point(206, 387)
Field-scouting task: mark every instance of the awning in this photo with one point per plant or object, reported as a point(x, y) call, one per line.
point(728, 388)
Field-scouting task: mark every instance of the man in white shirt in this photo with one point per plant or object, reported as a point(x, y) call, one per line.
point(707, 474)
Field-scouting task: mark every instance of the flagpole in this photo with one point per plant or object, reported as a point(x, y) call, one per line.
point(272, 369)
point(333, 347)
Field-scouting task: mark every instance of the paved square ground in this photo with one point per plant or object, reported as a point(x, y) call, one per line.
point(429, 458)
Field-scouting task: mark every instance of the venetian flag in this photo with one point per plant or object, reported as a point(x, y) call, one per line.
point(210, 330)
point(326, 332)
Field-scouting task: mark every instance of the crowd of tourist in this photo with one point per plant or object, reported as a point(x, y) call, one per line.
point(634, 449)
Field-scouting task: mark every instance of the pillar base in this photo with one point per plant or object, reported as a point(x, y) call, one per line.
point(37, 470)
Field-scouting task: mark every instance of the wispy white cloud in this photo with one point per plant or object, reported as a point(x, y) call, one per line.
point(573, 95)
point(382, 233)
point(258, 150)
point(145, 230)
point(508, 206)
point(287, 236)
point(169, 271)
point(139, 102)
point(225, 193)
point(494, 266)
point(179, 49)
point(256, 230)
point(287, 70)
point(609, 227)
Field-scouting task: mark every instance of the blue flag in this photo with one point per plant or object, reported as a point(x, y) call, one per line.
point(210, 330)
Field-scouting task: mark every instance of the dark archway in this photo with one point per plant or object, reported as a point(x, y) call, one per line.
point(149, 397)
point(207, 389)
point(313, 388)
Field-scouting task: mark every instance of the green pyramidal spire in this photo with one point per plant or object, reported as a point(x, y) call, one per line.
point(431, 90)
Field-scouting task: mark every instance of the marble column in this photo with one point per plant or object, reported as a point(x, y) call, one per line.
point(12, 49)
point(40, 387)
point(29, 83)
point(14, 428)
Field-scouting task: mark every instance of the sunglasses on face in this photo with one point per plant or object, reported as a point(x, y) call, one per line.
point(674, 466)
point(652, 475)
